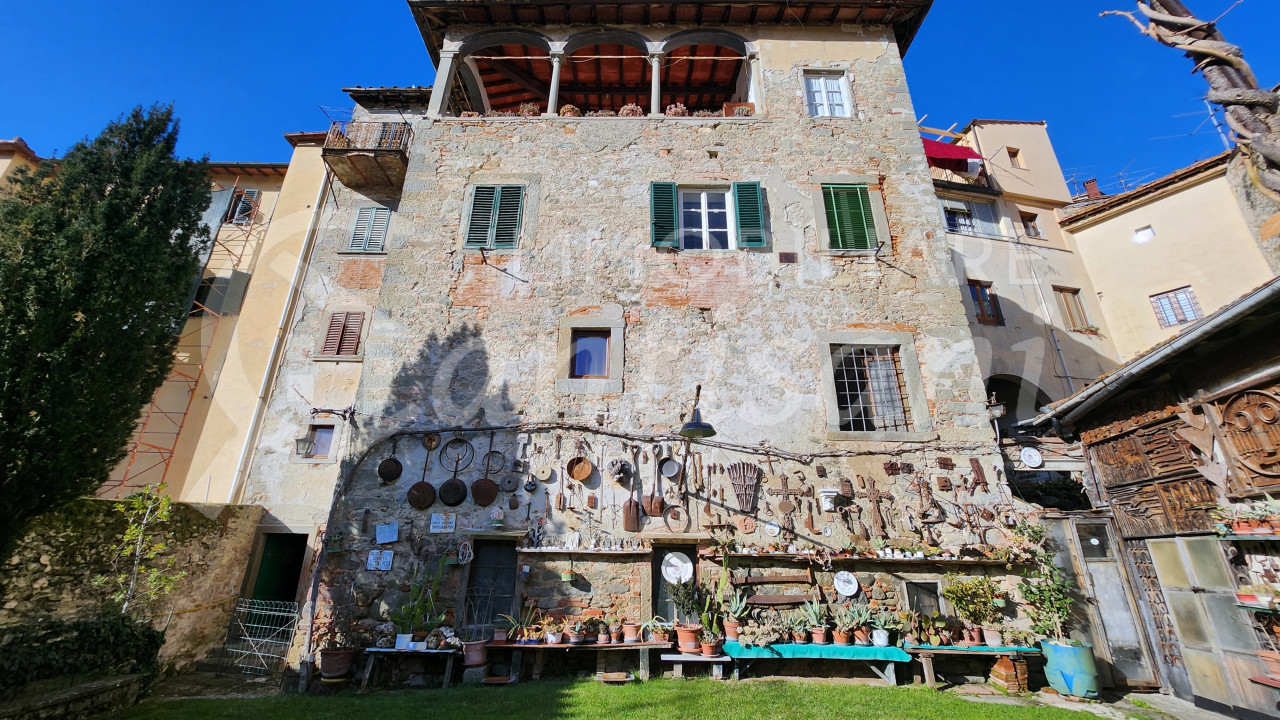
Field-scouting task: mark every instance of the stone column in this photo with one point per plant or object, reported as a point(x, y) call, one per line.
point(443, 85)
point(655, 85)
point(553, 100)
point(755, 82)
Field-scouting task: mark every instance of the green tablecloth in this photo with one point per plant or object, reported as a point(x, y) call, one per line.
point(976, 648)
point(825, 652)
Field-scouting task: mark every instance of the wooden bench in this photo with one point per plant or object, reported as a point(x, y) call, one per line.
point(926, 653)
point(517, 655)
point(394, 654)
point(679, 659)
point(881, 660)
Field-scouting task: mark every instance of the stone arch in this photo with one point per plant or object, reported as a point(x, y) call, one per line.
point(1022, 399)
point(490, 38)
point(587, 38)
point(723, 38)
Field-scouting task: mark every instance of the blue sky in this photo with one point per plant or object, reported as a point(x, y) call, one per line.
point(242, 73)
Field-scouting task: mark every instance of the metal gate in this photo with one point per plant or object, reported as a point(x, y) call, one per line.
point(259, 637)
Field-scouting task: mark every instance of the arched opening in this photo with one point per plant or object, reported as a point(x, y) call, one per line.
point(704, 69)
point(1021, 398)
point(513, 75)
point(604, 71)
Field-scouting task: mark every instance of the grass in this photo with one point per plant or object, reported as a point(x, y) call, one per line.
point(654, 700)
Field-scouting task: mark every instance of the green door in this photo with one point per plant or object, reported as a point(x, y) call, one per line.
point(280, 567)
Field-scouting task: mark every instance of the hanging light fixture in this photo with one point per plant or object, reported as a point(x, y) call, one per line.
point(696, 428)
point(304, 446)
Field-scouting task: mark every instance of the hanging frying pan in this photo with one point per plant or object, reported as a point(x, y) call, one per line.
point(389, 470)
point(430, 442)
point(579, 469)
point(456, 455)
point(421, 495)
point(484, 491)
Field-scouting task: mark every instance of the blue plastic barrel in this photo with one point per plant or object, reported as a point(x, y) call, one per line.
point(1071, 669)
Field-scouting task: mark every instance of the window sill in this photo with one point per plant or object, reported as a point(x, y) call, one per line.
point(851, 253)
point(881, 436)
point(984, 237)
point(338, 358)
point(296, 460)
point(989, 322)
point(589, 386)
point(363, 253)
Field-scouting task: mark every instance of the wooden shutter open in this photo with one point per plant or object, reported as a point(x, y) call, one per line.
point(351, 327)
point(360, 231)
point(850, 223)
point(663, 215)
point(377, 237)
point(748, 204)
point(333, 334)
point(506, 222)
point(483, 202)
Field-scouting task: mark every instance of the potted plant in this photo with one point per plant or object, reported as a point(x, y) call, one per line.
point(601, 626)
point(735, 611)
point(816, 615)
point(570, 111)
point(552, 631)
point(529, 109)
point(688, 597)
point(630, 631)
point(1047, 594)
point(974, 601)
point(842, 618)
point(575, 632)
point(881, 623)
point(677, 109)
point(861, 619)
point(525, 630)
point(656, 628)
point(710, 643)
point(631, 110)
point(615, 630)
point(336, 634)
point(419, 615)
point(914, 631)
point(501, 630)
point(798, 625)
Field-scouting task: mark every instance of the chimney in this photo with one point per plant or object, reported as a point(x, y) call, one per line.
point(1091, 189)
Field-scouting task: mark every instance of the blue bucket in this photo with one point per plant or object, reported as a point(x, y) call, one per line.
point(1071, 669)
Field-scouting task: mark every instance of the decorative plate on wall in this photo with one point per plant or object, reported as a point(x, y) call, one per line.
point(677, 568)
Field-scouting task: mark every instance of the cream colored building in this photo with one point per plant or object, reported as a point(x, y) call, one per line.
point(14, 154)
point(1166, 254)
point(1039, 330)
point(195, 434)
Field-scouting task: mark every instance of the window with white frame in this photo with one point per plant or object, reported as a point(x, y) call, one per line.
point(705, 219)
point(1176, 307)
point(826, 94)
point(971, 217)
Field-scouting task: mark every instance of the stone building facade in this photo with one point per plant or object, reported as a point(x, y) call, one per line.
point(525, 294)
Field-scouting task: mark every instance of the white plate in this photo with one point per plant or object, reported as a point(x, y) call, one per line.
point(772, 529)
point(677, 568)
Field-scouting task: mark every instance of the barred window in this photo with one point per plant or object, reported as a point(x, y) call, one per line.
point(870, 391)
point(1176, 307)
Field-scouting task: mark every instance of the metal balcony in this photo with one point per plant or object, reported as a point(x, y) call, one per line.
point(369, 155)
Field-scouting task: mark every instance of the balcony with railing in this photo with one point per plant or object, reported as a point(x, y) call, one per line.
point(371, 155)
point(957, 165)
point(980, 181)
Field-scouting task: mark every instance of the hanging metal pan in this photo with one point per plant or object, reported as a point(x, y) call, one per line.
point(389, 470)
point(579, 468)
point(422, 495)
point(484, 491)
point(453, 492)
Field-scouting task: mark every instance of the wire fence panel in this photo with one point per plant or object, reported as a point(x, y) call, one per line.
point(260, 636)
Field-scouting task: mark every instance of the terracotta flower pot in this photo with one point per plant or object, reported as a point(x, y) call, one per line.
point(1240, 527)
point(336, 663)
point(474, 653)
point(974, 636)
point(420, 636)
point(1274, 522)
point(499, 635)
point(819, 636)
point(861, 636)
point(615, 636)
point(710, 649)
point(992, 638)
point(574, 638)
point(631, 632)
point(731, 628)
point(842, 638)
point(800, 638)
point(602, 638)
point(659, 636)
point(687, 638)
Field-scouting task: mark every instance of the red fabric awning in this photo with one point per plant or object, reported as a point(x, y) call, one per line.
point(946, 151)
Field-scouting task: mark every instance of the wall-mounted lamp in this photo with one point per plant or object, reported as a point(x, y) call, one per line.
point(696, 428)
point(995, 407)
point(304, 446)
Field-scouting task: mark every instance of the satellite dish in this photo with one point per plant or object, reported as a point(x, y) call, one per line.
point(677, 568)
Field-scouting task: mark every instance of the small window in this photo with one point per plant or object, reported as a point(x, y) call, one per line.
point(985, 303)
point(244, 207)
point(870, 392)
point(850, 222)
point(342, 337)
point(1031, 225)
point(1072, 308)
point(1015, 158)
point(827, 94)
point(704, 220)
point(369, 232)
point(321, 437)
point(496, 213)
point(923, 597)
point(1144, 235)
point(971, 217)
point(1176, 307)
point(590, 358)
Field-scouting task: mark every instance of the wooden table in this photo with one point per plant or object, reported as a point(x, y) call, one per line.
point(678, 659)
point(517, 654)
point(375, 653)
point(926, 653)
point(881, 660)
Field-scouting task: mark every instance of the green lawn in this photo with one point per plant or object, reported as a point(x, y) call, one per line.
point(655, 700)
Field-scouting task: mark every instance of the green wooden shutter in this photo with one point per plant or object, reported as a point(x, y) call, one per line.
point(506, 219)
point(663, 215)
point(377, 238)
point(483, 202)
point(748, 203)
point(850, 223)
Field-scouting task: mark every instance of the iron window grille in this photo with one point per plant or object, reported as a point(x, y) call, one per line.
point(870, 390)
point(1176, 307)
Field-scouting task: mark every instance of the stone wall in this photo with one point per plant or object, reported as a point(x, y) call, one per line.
point(50, 574)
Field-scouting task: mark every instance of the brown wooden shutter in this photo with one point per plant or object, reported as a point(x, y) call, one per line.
point(351, 333)
point(333, 336)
